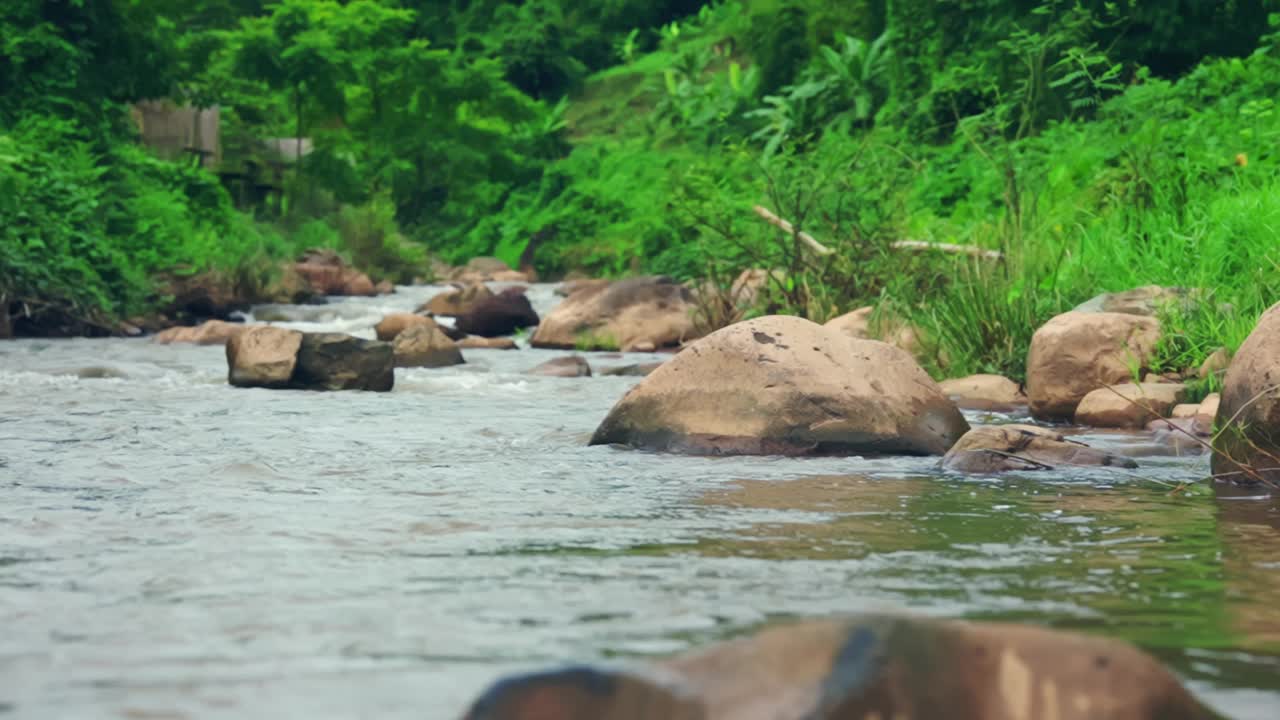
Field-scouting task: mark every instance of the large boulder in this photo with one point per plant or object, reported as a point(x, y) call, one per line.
point(620, 316)
point(425, 346)
point(571, 366)
point(1076, 353)
point(984, 392)
point(1129, 405)
point(502, 314)
point(263, 356)
point(1002, 448)
point(456, 301)
point(392, 325)
point(333, 361)
point(211, 332)
point(866, 667)
point(1248, 446)
point(784, 385)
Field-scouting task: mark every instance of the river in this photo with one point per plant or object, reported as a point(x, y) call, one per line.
point(172, 547)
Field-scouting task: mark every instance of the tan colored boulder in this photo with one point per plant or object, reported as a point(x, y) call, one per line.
point(328, 274)
point(1129, 405)
point(1247, 448)
point(480, 269)
point(392, 325)
point(1216, 364)
point(1209, 406)
point(747, 287)
point(1076, 353)
point(784, 385)
point(571, 366)
point(263, 356)
point(457, 301)
point(1001, 448)
point(425, 346)
point(357, 284)
point(620, 316)
point(868, 667)
point(210, 332)
point(569, 287)
point(857, 324)
point(386, 287)
point(984, 392)
point(513, 276)
point(484, 343)
point(1185, 410)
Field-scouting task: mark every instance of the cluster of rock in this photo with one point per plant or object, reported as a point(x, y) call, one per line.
point(270, 357)
point(862, 667)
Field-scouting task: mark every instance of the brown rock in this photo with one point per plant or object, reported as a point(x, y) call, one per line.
point(1076, 353)
point(865, 668)
point(357, 284)
point(572, 366)
point(984, 392)
point(484, 343)
point(502, 314)
point(569, 287)
point(1216, 364)
point(1209, 406)
point(857, 324)
point(386, 287)
point(784, 385)
point(392, 325)
point(328, 274)
point(425, 346)
point(263, 356)
point(1000, 448)
point(333, 361)
point(1185, 410)
point(637, 370)
point(211, 332)
point(458, 301)
point(1248, 444)
point(514, 276)
point(204, 295)
point(746, 288)
point(1185, 436)
point(620, 316)
point(1128, 405)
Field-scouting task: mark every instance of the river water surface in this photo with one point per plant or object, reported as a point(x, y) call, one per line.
point(171, 547)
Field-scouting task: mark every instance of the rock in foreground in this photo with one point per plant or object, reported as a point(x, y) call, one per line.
point(1078, 352)
point(859, 668)
point(1248, 446)
point(263, 356)
point(652, 311)
point(1004, 448)
point(784, 385)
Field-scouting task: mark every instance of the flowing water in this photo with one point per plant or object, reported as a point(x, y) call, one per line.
point(171, 547)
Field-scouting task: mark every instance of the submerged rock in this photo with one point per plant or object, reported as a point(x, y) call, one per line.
point(1248, 447)
point(1076, 353)
point(502, 314)
point(636, 370)
point(984, 392)
point(263, 356)
point(483, 343)
point(572, 366)
point(1129, 405)
point(784, 385)
point(425, 346)
point(864, 668)
point(1002, 448)
point(210, 332)
point(333, 361)
point(620, 316)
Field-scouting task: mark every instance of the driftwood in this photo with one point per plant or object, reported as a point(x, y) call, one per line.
point(973, 250)
point(786, 227)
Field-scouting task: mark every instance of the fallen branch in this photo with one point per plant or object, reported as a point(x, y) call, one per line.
point(787, 227)
point(973, 250)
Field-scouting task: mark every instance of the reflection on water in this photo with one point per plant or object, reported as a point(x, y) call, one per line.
point(173, 547)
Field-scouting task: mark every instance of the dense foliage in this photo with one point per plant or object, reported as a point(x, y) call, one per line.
point(1097, 145)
